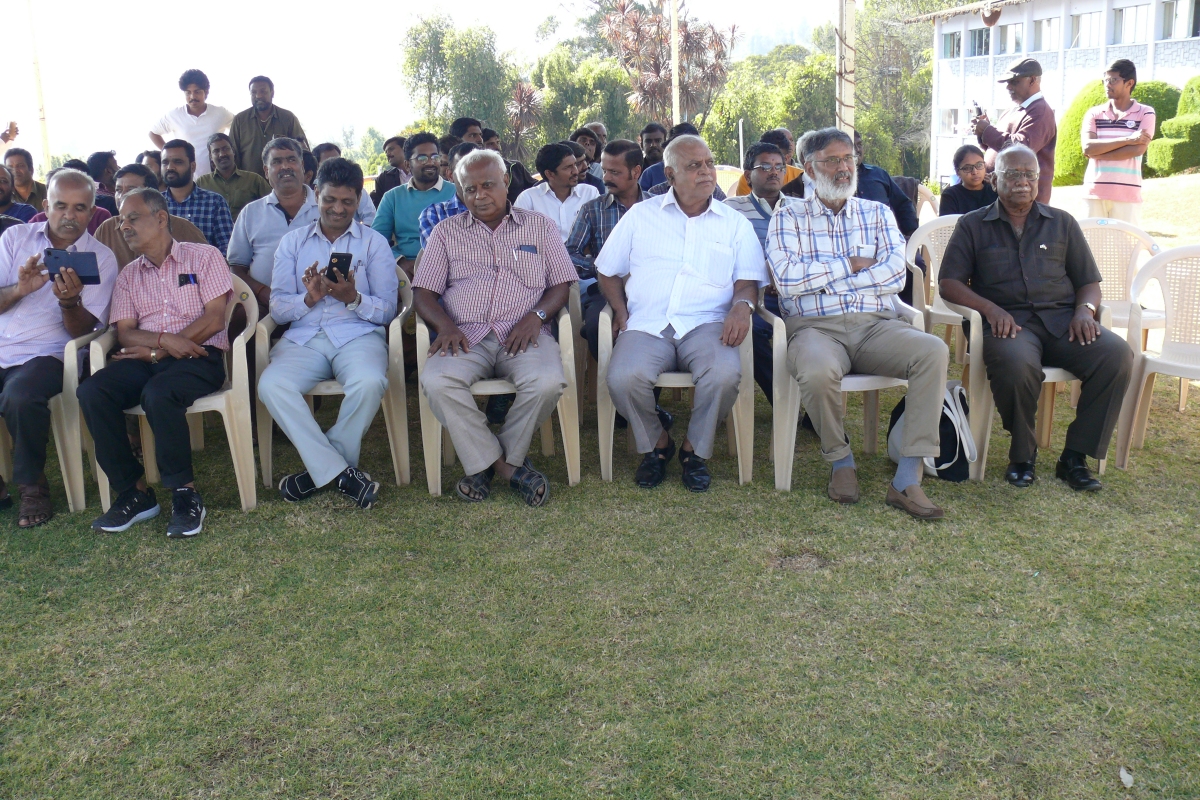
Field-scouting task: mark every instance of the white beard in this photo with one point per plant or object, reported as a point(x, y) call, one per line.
point(830, 192)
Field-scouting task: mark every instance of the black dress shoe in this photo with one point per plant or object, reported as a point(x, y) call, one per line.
point(653, 469)
point(1074, 470)
point(695, 472)
point(1020, 473)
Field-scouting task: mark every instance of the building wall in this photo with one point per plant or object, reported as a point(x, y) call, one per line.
point(960, 82)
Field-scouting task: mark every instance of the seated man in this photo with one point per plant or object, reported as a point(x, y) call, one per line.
point(1026, 268)
point(128, 178)
point(439, 211)
point(400, 212)
point(38, 316)
point(169, 310)
point(9, 206)
point(336, 333)
point(838, 261)
point(694, 267)
point(501, 275)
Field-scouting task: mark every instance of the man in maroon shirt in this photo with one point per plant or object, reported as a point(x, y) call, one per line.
point(1030, 123)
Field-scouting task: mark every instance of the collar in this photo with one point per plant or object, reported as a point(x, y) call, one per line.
point(512, 214)
point(171, 198)
point(1030, 100)
point(254, 114)
point(437, 187)
point(42, 231)
point(996, 211)
point(814, 201)
point(669, 199)
point(237, 173)
point(207, 107)
point(1116, 112)
point(355, 231)
point(146, 263)
point(778, 202)
point(310, 197)
point(608, 198)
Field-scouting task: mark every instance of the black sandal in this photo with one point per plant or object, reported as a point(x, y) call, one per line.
point(35, 502)
point(653, 469)
point(6, 501)
point(479, 483)
point(527, 480)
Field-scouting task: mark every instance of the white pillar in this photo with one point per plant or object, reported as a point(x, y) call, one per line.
point(675, 116)
point(844, 110)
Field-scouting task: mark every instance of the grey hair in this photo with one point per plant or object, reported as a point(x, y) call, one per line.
point(671, 153)
point(153, 199)
point(1010, 151)
point(815, 141)
point(279, 143)
point(476, 157)
point(72, 177)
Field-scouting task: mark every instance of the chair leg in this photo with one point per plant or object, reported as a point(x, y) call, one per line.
point(149, 453)
point(742, 418)
point(6, 453)
point(448, 456)
point(568, 421)
point(871, 422)
point(1076, 388)
point(548, 437)
point(1184, 383)
point(786, 418)
point(431, 443)
point(1045, 415)
point(982, 407)
point(266, 437)
point(606, 416)
point(395, 417)
point(70, 454)
point(1129, 411)
point(731, 431)
point(196, 430)
point(1142, 421)
point(236, 417)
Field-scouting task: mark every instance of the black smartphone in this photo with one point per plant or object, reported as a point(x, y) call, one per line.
point(84, 264)
point(978, 111)
point(340, 262)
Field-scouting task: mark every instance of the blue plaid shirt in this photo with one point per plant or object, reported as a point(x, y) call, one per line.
point(437, 212)
point(208, 211)
point(596, 219)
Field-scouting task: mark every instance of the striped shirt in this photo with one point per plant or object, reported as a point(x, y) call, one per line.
point(1118, 179)
point(208, 211)
point(809, 249)
point(592, 227)
point(172, 296)
point(490, 280)
point(755, 209)
point(681, 269)
point(437, 212)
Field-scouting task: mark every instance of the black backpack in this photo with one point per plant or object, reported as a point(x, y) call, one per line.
point(954, 433)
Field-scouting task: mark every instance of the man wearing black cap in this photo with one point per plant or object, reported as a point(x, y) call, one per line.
point(1031, 123)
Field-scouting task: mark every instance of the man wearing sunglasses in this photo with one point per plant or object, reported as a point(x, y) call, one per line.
point(399, 216)
point(1030, 123)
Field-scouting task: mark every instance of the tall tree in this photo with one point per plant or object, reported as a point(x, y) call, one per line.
point(425, 68)
point(481, 79)
point(524, 115)
point(575, 93)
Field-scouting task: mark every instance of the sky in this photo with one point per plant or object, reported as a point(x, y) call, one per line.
point(107, 93)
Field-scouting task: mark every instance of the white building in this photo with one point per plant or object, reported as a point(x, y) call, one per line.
point(1074, 40)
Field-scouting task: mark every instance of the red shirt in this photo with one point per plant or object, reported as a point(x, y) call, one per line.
point(172, 296)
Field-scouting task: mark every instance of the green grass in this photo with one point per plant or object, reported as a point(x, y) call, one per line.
point(619, 642)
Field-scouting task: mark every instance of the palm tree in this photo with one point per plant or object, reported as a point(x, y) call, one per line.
point(524, 115)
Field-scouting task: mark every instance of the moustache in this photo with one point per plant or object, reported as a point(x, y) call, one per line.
point(610, 185)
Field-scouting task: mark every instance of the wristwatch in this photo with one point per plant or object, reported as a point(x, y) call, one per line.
point(540, 314)
point(357, 302)
point(750, 303)
point(1089, 307)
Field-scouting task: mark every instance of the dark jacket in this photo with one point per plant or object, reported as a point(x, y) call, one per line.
point(1033, 127)
point(874, 183)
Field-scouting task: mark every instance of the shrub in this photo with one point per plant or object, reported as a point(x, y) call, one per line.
point(1069, 161)
point(1189, 100)
point(1179, 148)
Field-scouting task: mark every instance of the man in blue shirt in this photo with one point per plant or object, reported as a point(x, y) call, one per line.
point(207, 210)
point(874, 183)
point(8, 205)
point(336, 333)
point(437, 212)
point(655, 173)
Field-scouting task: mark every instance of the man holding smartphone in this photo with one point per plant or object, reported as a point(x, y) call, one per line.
point(39, 314)
point(337, 332)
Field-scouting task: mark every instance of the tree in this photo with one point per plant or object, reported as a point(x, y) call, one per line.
point(575, 93)
point(480, 78)
point(425, 67)
point(524, 115)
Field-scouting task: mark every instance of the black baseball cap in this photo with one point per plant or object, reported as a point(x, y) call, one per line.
point(1022, 68)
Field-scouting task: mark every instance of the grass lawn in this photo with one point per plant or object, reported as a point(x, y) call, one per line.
point(620, 642)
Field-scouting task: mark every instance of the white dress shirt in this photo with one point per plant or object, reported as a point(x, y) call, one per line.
point(681, 269)
point(179, 124)
point(33, 326)
point(541, 198)
point(258, 229)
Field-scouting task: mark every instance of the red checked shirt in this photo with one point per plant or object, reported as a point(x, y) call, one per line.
point(170, 297)
point(490, 280)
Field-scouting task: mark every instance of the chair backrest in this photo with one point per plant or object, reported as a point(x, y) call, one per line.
point(242, 296)
point(1178, 273)
point(933, 237)
point(1116, 246)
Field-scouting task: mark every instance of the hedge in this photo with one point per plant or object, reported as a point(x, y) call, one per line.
point(1179, 148)
point(1069, 160)
point(1189, 100)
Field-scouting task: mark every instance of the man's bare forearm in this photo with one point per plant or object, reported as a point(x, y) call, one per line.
point(9, 297)
point(554, 299)
point(208, 325)
point(78, 320)
point(429, 309)
point(613, 290)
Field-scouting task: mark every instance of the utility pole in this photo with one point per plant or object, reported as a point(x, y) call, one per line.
point(844, 111)
point(675, 116)
point(37, 82)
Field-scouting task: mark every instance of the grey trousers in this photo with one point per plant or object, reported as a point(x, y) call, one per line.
point(637, 360)
point(359, 365)
point(537, 374)
point(823, 349)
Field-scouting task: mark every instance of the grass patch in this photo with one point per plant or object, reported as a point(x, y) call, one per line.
point(618, 643)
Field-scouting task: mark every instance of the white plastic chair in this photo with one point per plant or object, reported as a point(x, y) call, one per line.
point(394, 405)
point(1117, 247)
point(932, 237)
point(1178, 273)
point(740, 419)
point(983, 405)
point(231, 401)
point(66, 424)
point(786, 405)
point(435, 439)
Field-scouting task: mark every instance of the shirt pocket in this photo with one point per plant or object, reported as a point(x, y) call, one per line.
point(529, 269)
point(996, 266)
point(1049, 264)
point(713, 265)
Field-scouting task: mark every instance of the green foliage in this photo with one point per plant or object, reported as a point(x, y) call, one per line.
point(368, 153)
point(1179, 149)
point(1069, 161)
point(425, 67)
point(481, 78)
point(575, 93)
point(824, 38)
point(1159, 95)
point(1189, 99)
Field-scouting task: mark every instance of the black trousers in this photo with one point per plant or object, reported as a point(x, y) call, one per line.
point(1014, 366)
point(25, 392)
point(165, 391)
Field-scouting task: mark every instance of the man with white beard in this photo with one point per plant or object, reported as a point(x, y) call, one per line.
point(838, 261)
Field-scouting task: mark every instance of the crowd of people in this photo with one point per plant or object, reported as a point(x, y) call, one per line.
point(492, 253)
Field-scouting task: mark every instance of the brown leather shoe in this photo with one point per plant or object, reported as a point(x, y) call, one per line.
point(843, 485)
point(913, 502)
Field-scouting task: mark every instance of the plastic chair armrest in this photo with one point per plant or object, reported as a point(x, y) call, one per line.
point(99, 347)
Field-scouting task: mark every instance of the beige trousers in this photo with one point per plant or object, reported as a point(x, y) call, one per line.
point(1114, 209)
point(823, 349)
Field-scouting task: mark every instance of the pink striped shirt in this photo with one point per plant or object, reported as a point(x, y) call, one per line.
point(172, 296)
point(1117, 179)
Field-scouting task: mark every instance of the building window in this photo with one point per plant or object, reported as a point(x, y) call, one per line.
point(952, 45)
point(1086, 29)
point(949, 125)
point(1168, 20)
point(981, 40)
point(1131, 24)
point(1196, 19)
point(1008, 39)
point(1046, 35)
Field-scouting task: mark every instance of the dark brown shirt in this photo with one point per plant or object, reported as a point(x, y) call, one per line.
point(249, 136)
point(1032, 126)
point(1038, 274)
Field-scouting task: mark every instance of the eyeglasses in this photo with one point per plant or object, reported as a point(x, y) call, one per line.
point(1030, 175)
point(1111, 81)
point(765, 168)
point(834, 163)
point(968, 168)
point(436, 158)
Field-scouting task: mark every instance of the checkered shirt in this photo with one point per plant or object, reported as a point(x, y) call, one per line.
point(489, 280)
point(208, 211)
point(159, 301)
point(595, 222)
point(808, 250)
point(437, 212)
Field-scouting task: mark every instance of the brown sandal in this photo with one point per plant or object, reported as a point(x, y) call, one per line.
point(35, 505)
point(6, 501)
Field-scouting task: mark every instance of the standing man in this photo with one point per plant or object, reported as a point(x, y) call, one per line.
point(8, 204)
point(1026, 268)
point(491, 140)
point(694, 268)
point(130, 177)
point(207, 210)
point(336, 332)
point(562, 195)
point(237, 186)
point(1115, 137)
point(601, 132)
point(25, 188)
point(263, 121)
point(38, 316)
point(652, 139)
point(194, 121)
point(399, 214)
point(397, 172)
point(169, 310)
point(1030, 123)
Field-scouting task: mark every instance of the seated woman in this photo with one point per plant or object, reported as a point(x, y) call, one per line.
point(974, 191)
